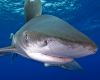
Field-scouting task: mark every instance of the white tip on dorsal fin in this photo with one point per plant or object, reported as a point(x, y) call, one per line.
point(32, 0)
point(32, 8)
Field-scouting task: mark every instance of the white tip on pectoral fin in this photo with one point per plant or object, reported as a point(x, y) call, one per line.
point(47, 65)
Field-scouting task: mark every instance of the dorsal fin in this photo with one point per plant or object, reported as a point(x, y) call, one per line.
point(32, 8)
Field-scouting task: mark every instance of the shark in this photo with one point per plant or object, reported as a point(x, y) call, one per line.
point(49, 39)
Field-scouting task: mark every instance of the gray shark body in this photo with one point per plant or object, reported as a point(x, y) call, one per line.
point(50, 40)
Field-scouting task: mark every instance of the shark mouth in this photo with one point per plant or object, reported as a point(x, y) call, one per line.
point(47, 58)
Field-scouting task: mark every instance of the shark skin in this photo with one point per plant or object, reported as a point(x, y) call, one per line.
point(49, 39)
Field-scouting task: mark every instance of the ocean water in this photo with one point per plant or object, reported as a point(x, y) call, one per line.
point(82, 14)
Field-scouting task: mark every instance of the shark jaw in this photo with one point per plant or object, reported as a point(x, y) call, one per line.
point(49, 59)
point(33, 53)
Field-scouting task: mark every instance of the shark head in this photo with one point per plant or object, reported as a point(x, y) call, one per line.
point(32, 43)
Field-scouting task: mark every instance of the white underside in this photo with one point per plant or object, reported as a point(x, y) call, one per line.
point(48, 59)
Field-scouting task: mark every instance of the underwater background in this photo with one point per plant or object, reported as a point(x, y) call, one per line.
point(82, 14)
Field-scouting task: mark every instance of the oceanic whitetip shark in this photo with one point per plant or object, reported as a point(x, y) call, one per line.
point(49, 39)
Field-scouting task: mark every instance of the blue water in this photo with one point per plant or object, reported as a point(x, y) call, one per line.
point(82, 14)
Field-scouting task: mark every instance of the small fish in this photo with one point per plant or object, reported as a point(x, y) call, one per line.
point(49, 39)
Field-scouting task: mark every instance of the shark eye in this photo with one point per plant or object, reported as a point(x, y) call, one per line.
point(42, 43)
point(45, 42)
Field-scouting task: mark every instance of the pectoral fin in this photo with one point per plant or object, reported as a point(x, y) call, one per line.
point(73, 65)
point(6, 50)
